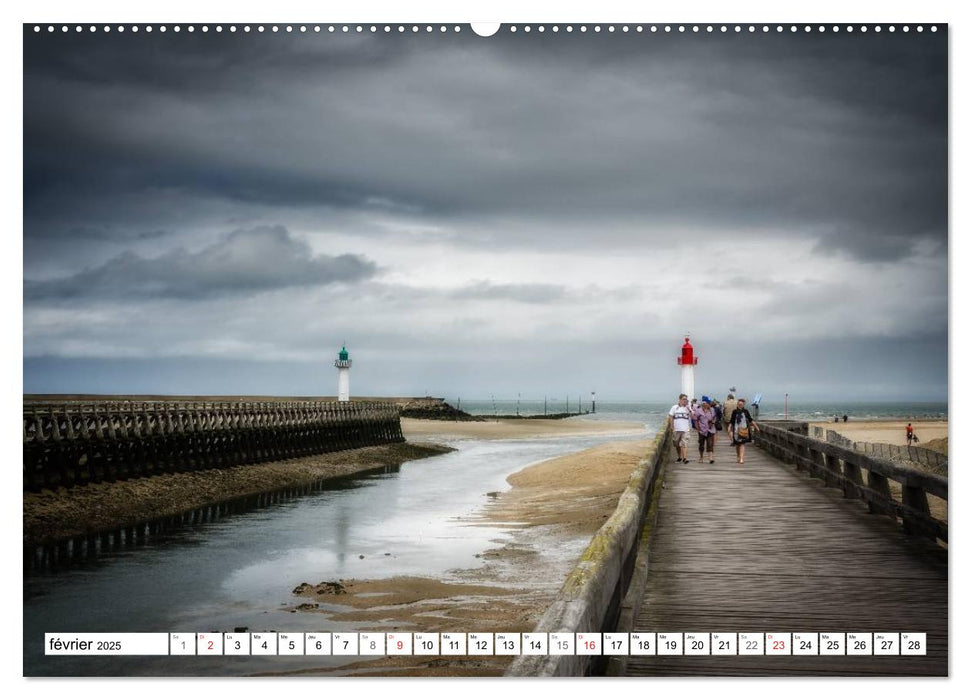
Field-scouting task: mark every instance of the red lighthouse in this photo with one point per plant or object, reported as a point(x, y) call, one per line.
point(687, 362)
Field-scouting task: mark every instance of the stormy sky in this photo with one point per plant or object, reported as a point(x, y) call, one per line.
point(535, 214)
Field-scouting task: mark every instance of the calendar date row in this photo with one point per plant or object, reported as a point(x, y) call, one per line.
point(488, 644)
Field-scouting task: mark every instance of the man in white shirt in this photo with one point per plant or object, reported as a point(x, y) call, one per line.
point(681, 424)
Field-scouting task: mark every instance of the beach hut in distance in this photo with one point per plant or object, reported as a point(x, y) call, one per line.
point(343, 365)
point(688, 362)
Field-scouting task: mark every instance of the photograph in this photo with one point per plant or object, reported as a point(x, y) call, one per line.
point(453, 350)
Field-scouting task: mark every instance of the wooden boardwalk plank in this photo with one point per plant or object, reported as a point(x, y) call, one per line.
point(760, 547)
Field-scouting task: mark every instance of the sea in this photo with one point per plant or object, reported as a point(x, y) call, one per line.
point(653, 411)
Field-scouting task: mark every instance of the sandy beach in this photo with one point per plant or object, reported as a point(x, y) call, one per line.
point(563, 499)
point(888, 432)
point(513, 428)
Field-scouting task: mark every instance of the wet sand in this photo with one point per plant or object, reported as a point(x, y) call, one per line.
point(512, 428)
point(50, 516)
point(888, 432)
point(565, 499)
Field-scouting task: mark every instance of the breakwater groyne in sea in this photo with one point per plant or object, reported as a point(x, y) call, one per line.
point(71, 442)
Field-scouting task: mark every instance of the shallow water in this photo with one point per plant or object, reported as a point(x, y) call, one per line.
point(239, 571)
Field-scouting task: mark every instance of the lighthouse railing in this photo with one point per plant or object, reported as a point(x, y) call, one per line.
point(899, 491)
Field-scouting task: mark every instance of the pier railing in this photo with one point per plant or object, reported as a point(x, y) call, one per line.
point(909, 453)
point(590, 600)
point(887, 488)
point(69, 443)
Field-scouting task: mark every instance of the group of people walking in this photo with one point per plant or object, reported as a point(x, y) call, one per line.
point(708, 419)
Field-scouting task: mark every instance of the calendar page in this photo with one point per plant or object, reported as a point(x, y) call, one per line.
point(355, 348)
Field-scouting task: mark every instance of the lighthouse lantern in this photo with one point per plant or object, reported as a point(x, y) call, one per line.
point(687, 361)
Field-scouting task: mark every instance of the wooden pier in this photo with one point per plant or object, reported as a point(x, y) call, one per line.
point(765, 546)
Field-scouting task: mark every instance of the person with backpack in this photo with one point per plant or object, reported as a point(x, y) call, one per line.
point(742, 427)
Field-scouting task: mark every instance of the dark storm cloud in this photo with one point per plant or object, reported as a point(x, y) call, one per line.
point(244, 262)
point(838, 137)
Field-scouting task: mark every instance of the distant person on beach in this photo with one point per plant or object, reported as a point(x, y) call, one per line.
point(910, 434)
point(845, 418)
point(729, 410)
point(705, 422)
point(680, 415)
point(742, 427)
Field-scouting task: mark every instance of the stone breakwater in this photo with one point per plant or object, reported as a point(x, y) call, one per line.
point(70, 443)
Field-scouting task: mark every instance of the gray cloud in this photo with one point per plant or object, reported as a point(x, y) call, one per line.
point(245, 261)
point(806, 135)
point(571, 196)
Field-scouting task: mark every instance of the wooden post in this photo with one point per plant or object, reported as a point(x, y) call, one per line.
point(881, 487)
point(853, 484)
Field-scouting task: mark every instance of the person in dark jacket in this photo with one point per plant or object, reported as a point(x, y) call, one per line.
point(741, 427)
